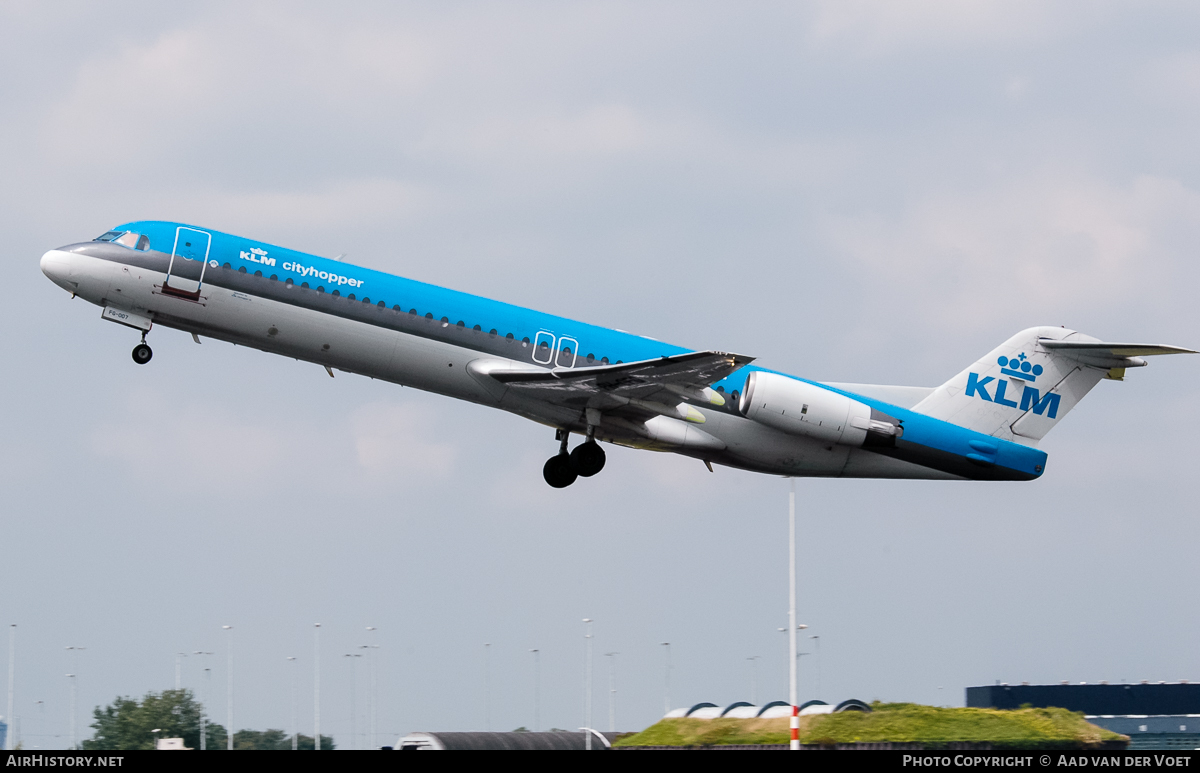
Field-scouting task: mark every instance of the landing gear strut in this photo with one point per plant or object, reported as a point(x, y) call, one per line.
point(558, 471)
point(142, 352)
point(586, 460)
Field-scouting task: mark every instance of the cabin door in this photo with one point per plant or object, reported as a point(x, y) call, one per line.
point(189, 259)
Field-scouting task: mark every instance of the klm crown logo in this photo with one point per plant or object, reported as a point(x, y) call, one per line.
point(1020, 367)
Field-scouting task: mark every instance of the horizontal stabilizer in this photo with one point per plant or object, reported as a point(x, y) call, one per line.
point(1108, 351)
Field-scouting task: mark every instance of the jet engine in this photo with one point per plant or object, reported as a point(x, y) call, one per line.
point(800, 408)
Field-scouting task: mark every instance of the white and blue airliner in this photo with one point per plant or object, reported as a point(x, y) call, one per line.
point(603, 385)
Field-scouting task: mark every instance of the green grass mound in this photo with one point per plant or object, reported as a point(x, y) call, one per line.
point(889, 722)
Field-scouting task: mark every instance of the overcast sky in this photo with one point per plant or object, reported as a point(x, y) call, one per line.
point(850, 191)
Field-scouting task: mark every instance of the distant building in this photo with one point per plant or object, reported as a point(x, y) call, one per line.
point(1154, 716)
point(555, 741)
point(3, 734)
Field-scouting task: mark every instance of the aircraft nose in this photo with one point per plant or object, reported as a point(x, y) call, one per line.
point(56, 265)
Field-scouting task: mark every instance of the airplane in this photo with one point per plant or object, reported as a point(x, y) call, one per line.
point(607, 385)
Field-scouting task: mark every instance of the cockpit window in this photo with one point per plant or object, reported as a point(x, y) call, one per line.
point(126, 239)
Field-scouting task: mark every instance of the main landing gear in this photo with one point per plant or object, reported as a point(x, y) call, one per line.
point(142, 352)
point(587, 459)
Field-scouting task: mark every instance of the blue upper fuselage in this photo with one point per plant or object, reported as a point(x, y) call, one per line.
point(595, 345)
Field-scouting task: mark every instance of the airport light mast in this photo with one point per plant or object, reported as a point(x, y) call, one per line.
point(792, 691)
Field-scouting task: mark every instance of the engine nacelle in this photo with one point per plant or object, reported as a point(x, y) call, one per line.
point(800, 408)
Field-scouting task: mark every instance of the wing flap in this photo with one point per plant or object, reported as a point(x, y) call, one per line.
point(638, 389)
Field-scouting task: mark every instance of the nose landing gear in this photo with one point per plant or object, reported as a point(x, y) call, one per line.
point(563, 469)
point(142, 352)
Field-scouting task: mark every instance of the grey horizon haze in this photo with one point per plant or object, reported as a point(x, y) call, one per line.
point(848, 191)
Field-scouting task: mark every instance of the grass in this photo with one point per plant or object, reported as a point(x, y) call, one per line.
point(889, 722)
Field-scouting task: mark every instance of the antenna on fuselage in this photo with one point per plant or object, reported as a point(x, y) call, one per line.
point(339, 257)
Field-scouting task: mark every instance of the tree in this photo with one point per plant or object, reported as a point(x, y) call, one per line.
point(127, 723)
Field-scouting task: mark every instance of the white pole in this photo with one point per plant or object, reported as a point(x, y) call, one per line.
point(374, 688)
point(292, 669)
point(587, 687)
point(353, 701)
point(612, 690)
point(204, 710)
point(793, 692)
point(317, 687)
point(72, 678)
point(74, 687)
point(487, 686)
point(667, 683)
point(12, 664)
point(537, 668)
point(229, 688)
point(753, 679)
point(817, 645)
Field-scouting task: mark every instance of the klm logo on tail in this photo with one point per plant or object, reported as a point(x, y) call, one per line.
point(1019, 368)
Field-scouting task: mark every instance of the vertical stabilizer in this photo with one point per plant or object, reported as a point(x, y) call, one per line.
point(1023, 387)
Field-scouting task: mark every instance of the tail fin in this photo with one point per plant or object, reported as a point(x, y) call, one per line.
point(1023, 387)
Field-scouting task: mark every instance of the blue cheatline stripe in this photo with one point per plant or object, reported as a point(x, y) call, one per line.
point(409, 293)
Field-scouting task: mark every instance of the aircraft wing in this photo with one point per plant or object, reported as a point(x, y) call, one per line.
point(639, 388)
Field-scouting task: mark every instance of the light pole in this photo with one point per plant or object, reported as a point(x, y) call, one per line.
point(817, 657)
point(12, 665)
point(612, 690)
point(204, 690)
point(72, 678)
point(587, 686)
point(229, 688)
point(74, 685)
point(788, 655)
point(317, 686)
point(487, 686)
point(537, 672)
point(179, 656)
point(374, 684)
point(353, 701)
point(792, 691)
point(754, 678)
point(204, 714)
point(292, 669)
point(666, 645)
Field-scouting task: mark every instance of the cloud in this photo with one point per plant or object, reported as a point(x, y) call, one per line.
point(1035, 245)
point(172, 441)
point(874, 28)
point(397, 441)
